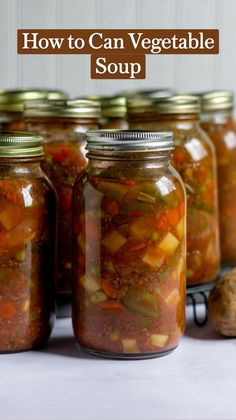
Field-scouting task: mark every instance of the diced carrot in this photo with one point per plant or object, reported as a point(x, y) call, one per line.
point(129, 182)
point(108, 288)
point(162, 222)
point(138, 246)
point(181, 209)
point(112, 208)
point(172, 216)
point(11, 196)
point(7, 309)
point(179, 155)
point(112, 304)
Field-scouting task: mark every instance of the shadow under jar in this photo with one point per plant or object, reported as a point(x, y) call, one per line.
point(27, 244)
point(63, 125)
point(195, 160)
point(129, 247)
point(217, 120)
point(12, 105)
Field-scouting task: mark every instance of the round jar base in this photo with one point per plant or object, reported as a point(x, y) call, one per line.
point(127, 356)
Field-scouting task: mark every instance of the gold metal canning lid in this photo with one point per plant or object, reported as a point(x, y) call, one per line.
point(148, 93)
point(216, 100)
point(114, 106)
point(19, 145)
point(14, 100)
point(78, 108)
point(178, 104)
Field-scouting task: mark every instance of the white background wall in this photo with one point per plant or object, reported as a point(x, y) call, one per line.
point(72, 73)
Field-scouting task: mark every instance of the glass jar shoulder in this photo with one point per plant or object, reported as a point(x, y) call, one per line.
point(144, 187)
point(60, 129)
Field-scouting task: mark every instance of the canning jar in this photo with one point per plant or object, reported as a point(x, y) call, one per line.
point(27, 244)
point(63, 125)
point(217, 120)
point(114, 112)
point(129, 247)
point(12, 105)
point(194, 158)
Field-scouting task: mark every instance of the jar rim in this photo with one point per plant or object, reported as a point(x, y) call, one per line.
point(129, 140)
point(72, 108)
point(19, 144)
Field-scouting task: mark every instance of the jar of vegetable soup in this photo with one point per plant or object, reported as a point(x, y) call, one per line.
point(129, 247)
point(27, 244)
point(195, 160)
point(12, 105)
point(218, 122)
point(63, 125)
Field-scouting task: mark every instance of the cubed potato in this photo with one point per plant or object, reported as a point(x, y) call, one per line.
point(130, 345)
point(114, 241)
point(159, 340)
point(173, 298)
point(90, 284)
point(154, 257)
point(180, 228)
point(169, 244)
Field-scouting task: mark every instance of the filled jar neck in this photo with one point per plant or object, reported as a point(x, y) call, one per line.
point(184, 120)
point(21, 166)
point(150, 158)
point(218, 116)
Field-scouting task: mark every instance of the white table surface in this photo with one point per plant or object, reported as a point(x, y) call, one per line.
point(196, 381)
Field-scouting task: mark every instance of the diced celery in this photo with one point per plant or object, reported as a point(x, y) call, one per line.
point(180, 228)
point(141, 302)
point(130, 345)
point(113, 190)
point(190, 273)
point(145, 197)
point(141, 228)
point(90, 284)
point(154, 257)
point(108, 266)
point(98, 297)
point(2, 275)
point(114, 241)
point(169, 244)
point(173, 298)
point(155, 236)
point(114, 335)
point(20, 255)
point(95, 270)
point(159, 340)
point(136, 206)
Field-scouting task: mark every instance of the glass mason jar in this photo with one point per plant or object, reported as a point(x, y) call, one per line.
point(63, 125)
point(129, 247)
point(12, 105)
point(217, 120)
point(194, 158)
point(114, 113)
point(27, 244)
